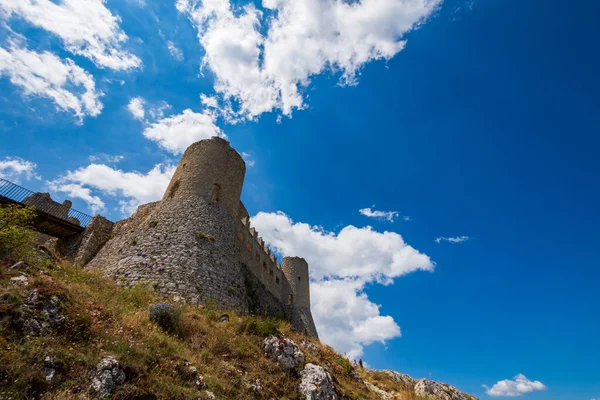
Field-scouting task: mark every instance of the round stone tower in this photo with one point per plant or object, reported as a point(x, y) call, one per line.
point(211, 169)
point(185, 245)
point(295, 270)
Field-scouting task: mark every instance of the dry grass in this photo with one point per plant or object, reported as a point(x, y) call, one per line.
point(105, 319)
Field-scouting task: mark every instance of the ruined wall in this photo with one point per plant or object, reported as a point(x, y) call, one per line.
point(81, 247)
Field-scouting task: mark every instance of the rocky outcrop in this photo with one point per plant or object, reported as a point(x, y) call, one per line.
point(315, 384)
point(382, 393)
point(40, 315)
point(283, 350)
point(107, 378)
point(397, 377)
point(439, 391)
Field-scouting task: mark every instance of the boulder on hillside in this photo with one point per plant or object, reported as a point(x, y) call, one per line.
point(440, 391)
point(315, 383)
point(283, 350)
point(107, 378)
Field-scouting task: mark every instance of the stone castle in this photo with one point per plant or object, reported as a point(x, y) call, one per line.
point(197, 245)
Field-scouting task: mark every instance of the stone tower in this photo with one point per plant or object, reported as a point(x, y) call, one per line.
point(196, 244)
point(295, 270)
point(209, 169)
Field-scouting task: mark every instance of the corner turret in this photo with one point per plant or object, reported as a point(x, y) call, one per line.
point(295, 270)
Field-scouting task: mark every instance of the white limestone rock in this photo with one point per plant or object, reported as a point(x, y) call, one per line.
point(283, 350)
point(382, 393)
point(315, 384)
point(403, 378)
point(439, 391)
point(107, 378)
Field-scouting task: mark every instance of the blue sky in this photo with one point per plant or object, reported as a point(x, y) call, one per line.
point(483, 126)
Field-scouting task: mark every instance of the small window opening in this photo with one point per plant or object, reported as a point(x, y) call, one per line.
point(299, 279)
point(277, 280)
point(264, 264)
point(290, 299)
point(216, 193)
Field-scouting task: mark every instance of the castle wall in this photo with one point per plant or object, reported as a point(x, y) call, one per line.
point(81, 247)
point(197, 245)
point(253, 253)
point(170, 248)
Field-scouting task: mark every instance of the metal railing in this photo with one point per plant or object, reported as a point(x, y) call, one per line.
point(44, 203)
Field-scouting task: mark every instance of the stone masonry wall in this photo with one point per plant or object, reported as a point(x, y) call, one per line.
point(252, 252)
point(182, 248)
point(81, 247)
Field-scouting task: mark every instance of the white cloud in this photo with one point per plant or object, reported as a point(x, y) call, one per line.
point(175, 51)
point(136, 107)
point(159, 112)
point(406, 218)
point(103, 157)
point(177, 132)
point(43, 74)
point(265, 63)
point(457, 239)
point(389, 215)
point(248, 158)
point(131, 188)
point(519, 386)
point(341, 264)
point(86, 28)
point(14, 168)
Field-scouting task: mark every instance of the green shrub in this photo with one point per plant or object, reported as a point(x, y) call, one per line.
point(261, 327)
point(166, 316)
point(200, 235)
point(15, 235)
point(345, 364)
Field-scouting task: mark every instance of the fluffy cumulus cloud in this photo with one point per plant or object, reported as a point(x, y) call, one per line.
point(86, 28)
point(14, 169)
point(177, 132)
point(388, 215)
point(45, 75)
point(136, 108)
point(130, 188)
point(341, 264)
point(518, 386)
point(263, 60)
point(456, 239)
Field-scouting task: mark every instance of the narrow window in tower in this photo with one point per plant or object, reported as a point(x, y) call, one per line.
point(277, 280)
point(264, 264)
point(298, 279)
point(290, 299)
point(216, 192)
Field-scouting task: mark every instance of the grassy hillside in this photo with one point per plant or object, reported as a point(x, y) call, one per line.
point(57, 321)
